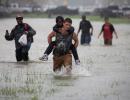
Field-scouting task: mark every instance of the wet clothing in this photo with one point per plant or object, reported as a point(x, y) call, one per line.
point(57, 27)
point(65, 60)
point(16, 33)
point(85, 39)
point(50, 48)
point(63, 44)
point(61, 52)
point(22, 53)
point(74, 52)
point(85, 26)
point(53, 43)
point(108, 41)
point(72, 48)
point(107, 30)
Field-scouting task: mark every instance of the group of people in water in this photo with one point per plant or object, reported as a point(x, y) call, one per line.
point(65, 43)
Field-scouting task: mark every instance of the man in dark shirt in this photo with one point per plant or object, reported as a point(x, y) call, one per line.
point(19, 30)
point(87, 30)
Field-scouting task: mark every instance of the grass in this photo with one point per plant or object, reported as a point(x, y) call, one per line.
point(120, 20)
point(113, 20)
point(32, 86)
point(90, 17)
point(36, 15)
point(34, 97)
point(9, 91)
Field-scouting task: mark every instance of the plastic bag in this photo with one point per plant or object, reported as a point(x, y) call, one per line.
point(23, 40)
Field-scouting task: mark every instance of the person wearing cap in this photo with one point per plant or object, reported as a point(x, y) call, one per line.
point(107, 30)
point(87, 31)
point(19, 30)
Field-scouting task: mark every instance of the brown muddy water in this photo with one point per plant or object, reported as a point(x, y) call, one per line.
point(104, 73)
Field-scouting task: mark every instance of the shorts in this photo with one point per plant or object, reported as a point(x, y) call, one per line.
point(65, 60)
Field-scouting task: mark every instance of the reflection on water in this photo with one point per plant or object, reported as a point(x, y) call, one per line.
point(30, 80)
point(108, 66)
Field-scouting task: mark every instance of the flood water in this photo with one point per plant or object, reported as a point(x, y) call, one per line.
point(109, 67)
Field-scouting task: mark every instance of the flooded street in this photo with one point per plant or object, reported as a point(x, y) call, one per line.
point(109, 67)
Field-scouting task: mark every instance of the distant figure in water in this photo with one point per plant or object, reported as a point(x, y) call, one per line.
point(87, 31)
point(107, 30)
point(19, 30)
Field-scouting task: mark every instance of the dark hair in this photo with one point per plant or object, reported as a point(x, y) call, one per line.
point(83, 17)
point(59, 18)
point(68, 20)
point(106, 18)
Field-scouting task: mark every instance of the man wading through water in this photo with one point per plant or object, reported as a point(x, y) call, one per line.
point(62, 53)
point(87, 31)
point(56, 28)
point(108, 30)
point(18, 31)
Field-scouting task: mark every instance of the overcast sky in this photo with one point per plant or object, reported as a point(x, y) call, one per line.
point(75, 3)
point(84, 2)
